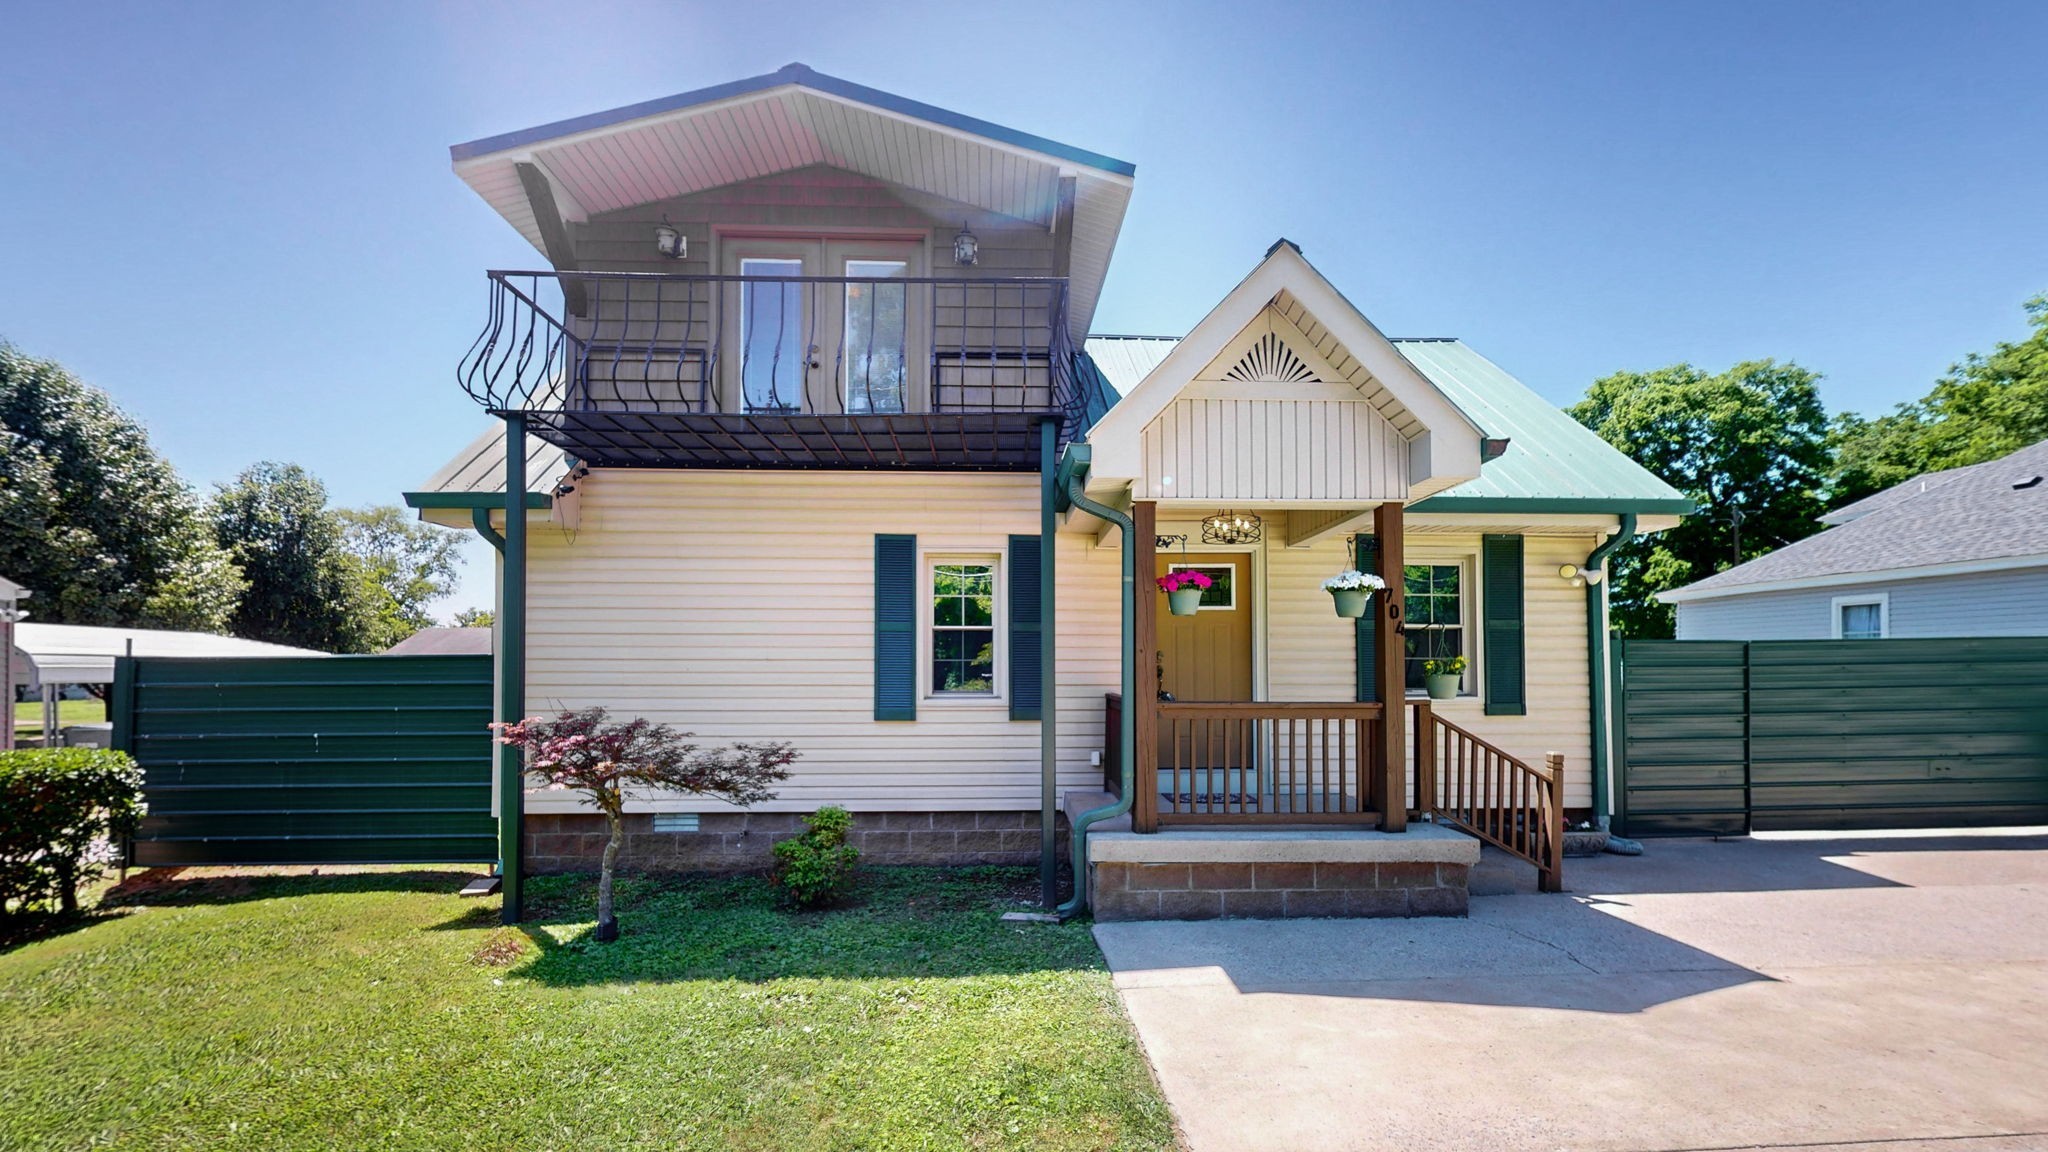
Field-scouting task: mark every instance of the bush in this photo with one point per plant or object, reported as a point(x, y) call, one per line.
point(63, 814)
point(816, 868)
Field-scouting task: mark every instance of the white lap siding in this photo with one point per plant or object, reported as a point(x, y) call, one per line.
point(740, 606)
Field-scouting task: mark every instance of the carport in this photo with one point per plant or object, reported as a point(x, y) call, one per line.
point(51, 656)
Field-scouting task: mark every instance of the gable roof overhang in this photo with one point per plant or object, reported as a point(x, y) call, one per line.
point(538, 178)
point(1444, 446)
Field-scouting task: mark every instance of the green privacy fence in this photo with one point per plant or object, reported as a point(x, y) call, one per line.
point(1726, 737)
point(309, 760)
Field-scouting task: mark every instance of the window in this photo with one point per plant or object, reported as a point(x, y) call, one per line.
point(963, 628)
point(876, 370)
point(772, 360)
point(1862, 617)
point(1222, 590)
point(1436, 616)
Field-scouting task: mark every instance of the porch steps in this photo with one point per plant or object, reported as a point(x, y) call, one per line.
point(1272, 872)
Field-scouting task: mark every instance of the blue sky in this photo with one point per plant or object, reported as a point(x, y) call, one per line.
point(241, 222)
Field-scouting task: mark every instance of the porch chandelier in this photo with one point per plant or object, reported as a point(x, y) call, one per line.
point(1232, 528)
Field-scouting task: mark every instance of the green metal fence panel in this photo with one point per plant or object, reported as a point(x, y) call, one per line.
point(1844, 734)
point(310, 760)
point(1684, 717)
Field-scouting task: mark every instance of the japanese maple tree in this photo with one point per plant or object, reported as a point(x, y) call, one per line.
point(586, 751)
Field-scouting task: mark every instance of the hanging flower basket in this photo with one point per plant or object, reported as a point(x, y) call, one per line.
point(1441, 677)
point(1351, 589)
point(1184, 591)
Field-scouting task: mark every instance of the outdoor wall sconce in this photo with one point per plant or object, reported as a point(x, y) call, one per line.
point(670, 242)
point(1232, 528)
point(966, 249)
point(1576, 574)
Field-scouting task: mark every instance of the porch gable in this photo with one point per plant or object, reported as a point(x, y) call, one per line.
point(1285, 393)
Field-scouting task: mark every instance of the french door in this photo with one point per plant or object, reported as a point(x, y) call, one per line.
point(858, 346)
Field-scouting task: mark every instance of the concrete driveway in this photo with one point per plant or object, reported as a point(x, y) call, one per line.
point(1853, 993)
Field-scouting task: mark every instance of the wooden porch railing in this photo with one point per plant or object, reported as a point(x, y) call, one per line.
point(1255, 763)
point(1473, 786)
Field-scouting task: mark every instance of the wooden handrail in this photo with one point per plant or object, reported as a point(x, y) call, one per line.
point(1480, 788)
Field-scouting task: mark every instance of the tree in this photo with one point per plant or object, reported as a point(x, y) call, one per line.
point(305, 588)
point(404, 566)
point(586, 751)
point(1986, 407)
point(1750, 442)
point(92, 518)
point(475, 618)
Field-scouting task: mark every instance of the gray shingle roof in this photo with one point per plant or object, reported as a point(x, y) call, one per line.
point(1974, 514)
point(1897, 492)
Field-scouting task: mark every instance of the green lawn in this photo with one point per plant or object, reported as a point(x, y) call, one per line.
point(28, 717)
point(378, 1010)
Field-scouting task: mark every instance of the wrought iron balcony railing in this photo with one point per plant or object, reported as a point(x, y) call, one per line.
point(801, 371)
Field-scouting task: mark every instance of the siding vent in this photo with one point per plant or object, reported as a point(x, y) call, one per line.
point(675, 821)
point(1270, 361)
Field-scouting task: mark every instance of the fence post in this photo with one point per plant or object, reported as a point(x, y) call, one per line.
point(1550, 875)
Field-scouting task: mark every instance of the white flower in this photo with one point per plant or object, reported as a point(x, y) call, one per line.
point(1352, 580)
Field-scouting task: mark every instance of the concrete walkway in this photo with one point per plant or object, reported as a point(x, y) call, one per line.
point(1855, 993)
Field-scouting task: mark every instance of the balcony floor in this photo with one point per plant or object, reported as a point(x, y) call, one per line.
point(922, 442)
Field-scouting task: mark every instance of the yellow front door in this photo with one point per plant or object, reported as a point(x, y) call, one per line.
point(1208, 656)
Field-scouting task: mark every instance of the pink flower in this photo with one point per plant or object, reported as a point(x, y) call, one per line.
point(1185, 578)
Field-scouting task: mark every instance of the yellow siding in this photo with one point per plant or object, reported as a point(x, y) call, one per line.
point(1311, 654)
point(741, 606)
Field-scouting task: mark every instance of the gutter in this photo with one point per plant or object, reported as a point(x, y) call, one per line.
point(1127, 740)
point(1598, 664)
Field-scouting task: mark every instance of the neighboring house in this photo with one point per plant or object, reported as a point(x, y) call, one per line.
point(818, 446)
point(1962, 552)
point(444, 642)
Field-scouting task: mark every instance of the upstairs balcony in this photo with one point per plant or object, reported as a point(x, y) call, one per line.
point(631, 369)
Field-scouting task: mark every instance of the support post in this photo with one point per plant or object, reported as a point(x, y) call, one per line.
point(1389, 653)
point(1048, 677)
point(1425, 760)
point(512, 667)
point(1145, 700)
point(1550, 874)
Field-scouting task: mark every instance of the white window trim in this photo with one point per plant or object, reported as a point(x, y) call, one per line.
point(1883, 600)
point(998, 618)
point(1469, 609)
point(1230, 607)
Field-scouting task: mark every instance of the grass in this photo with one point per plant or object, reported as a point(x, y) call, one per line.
point(378, 1010)
point(28, 717)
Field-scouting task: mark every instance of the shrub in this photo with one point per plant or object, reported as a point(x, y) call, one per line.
point(63, 813)
point(816, 868)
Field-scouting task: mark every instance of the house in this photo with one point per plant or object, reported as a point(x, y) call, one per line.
point(817, 443)
point(1960, 552)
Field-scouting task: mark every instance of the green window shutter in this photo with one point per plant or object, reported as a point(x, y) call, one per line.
point(1026, 620)
point(895, 627)
point(1366, 551)
point(1500, 591)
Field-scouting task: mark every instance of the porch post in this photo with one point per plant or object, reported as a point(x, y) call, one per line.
point(1048, 678)
point(512, 667)
point(1387, 794)
point(1144, 701)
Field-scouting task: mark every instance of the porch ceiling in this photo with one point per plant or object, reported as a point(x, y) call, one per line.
point(796, 118)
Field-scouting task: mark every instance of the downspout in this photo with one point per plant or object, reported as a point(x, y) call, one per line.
point(1127, 737)
point(481, 518)
point(1597, 663)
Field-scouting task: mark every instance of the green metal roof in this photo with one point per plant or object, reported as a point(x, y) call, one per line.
point(1552, 463)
